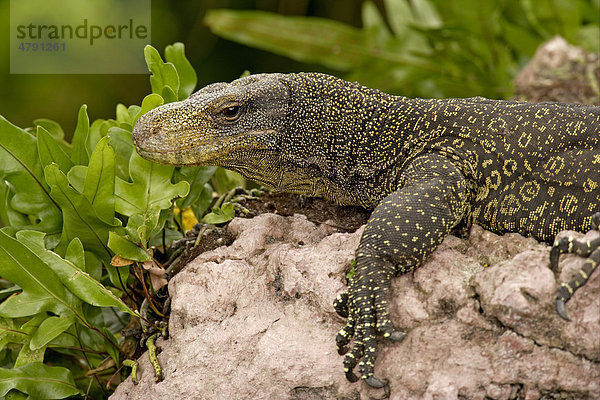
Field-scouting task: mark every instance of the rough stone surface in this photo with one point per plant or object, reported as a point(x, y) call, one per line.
point(254, 321)
point(560, 72)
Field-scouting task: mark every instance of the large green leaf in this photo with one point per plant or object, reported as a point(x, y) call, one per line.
point(175, 54)
point(39, 381)
point(127, 249)
point(74, 278)
point(79, 152)
point(163, 79)
point(311, 40)
point(50, 329)
point(120, 141)
point(99, 184)
point(21, 167)
point(42, 290)
point(80, 220)
point(50, 152)
point(150, 187)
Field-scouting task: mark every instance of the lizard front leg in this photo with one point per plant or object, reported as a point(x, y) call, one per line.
point(404, 229)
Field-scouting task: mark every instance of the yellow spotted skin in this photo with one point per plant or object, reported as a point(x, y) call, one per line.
point(424, 166)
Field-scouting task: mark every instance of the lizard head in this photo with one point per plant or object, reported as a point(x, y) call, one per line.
point(221, 124)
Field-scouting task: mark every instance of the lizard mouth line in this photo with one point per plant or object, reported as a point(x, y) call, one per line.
point(233, 141)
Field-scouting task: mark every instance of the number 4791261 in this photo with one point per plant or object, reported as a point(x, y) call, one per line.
point(56, 46)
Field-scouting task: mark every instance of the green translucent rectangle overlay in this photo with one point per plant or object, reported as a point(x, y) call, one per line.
point(79, 37)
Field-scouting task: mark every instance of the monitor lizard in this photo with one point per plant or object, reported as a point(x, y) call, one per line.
point(425, 167)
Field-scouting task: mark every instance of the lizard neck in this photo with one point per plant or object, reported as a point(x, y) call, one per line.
point(342, 141)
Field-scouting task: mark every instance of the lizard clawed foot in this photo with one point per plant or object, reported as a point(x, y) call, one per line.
point(589, 249)
point(368, 313)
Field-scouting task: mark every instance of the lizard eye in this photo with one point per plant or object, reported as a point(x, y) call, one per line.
point(231, 112)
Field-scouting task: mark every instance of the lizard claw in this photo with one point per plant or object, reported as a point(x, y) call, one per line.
point(396, 336)
point(376, 383)
point(351, 376)
point(561, 309)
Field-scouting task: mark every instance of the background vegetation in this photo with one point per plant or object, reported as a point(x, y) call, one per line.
point(87, 222)
point(506, 32)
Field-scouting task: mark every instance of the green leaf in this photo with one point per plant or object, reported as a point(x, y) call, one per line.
point(399, 15)
point(28, 355)
point(99, 184)
point(8, 215)
point(123, 116)
point(168, 95)
point(112, 350)
point(76, 177)
point(79, 217)
point(133, 111)
point(93, 265)
point(175, 54)
point(426, 15)
point(49, 330)
point(9, 333)
point(203, 201)
point(373, 22)
point(50, 152)
point(220, 215)
point(42, 291)
point(149, 102)
point(9, 291)
point(225, 180)
point(141, 226)
point(39, 381)
point(98, 130)
point(150, 187)
point(162, 74)
point(305, 39)
point(589, 37)
point(74, 278)
point(127, 249)
point(196, 177)
point(120, 141)
point(53, 128)
point(21, 167)
point(79, 153)
point(75, 254)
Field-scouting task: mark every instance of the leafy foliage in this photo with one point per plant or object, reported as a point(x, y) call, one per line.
point(69, 211)
point(423, 48)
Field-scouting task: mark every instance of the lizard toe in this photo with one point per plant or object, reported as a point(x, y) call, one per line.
point(561, 309)
point(340, 304)
point(351, 359)
point(559, 247)
point(343, 337)
point(376, 383)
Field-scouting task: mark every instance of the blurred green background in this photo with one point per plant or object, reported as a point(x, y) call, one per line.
point(426, 48)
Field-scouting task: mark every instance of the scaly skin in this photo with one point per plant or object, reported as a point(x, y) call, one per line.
point(424, 166)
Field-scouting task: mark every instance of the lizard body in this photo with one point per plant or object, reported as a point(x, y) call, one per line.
point(425, 166)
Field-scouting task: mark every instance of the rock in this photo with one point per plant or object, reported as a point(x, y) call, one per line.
point(254, 321)
point(560, 72)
